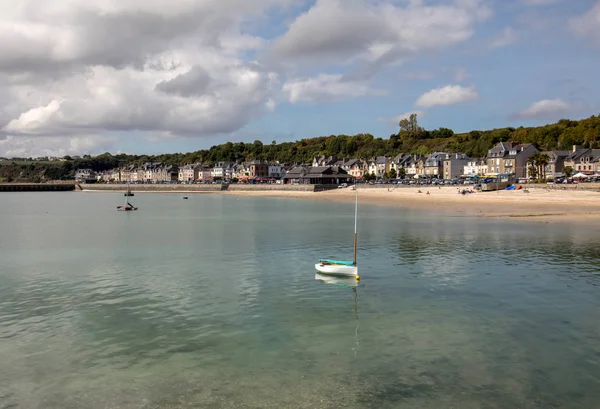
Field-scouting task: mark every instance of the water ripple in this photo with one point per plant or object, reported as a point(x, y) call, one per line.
point(219, 307)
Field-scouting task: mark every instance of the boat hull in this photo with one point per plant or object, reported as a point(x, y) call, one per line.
point(337, 270)
point(337, 280)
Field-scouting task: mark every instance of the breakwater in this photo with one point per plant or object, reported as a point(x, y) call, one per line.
point(154, 187)
point(37, 187)
point(207, 187)
point(277, 187)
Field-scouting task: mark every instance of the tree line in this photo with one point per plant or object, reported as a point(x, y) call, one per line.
point(411, 138)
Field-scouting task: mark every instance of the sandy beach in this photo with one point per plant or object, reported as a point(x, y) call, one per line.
point(540, 204)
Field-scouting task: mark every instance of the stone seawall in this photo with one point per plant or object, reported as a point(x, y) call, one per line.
point(278, 187)
point(155, 188)
point(37, 187)
point(208, 188)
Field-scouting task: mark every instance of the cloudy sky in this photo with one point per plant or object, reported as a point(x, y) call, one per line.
point(150, 76)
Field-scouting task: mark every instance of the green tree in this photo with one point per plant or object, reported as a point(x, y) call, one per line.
point(369, 176)
point(392, 173)
point(542, 161)
point(422, 150)
point(534, 166)
point(401, 173)
point(533, 172)
point(409, 127)
point(568, 171)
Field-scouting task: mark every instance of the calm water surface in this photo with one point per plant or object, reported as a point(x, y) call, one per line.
point(213, 302)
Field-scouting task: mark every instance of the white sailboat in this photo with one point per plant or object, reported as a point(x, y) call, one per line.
point(340, 267)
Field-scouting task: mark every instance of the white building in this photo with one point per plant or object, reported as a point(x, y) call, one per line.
point(85, 175)
point(475, 167)
point(188, 173)
point(115, 175)
point(275, 170)
point(204, 172)
point(221, 170)
point(379, 166)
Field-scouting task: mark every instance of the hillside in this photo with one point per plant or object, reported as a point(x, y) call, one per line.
point(410, 139)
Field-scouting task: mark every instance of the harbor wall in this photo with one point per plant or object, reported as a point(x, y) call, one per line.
point(279, 187)
point(71, 186)
point(37, 187)
point(238, 187)
point(155, 187)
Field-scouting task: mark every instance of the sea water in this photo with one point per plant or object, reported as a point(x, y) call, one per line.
point(213, 302)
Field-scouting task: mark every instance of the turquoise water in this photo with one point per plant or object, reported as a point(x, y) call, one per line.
point(213, 302)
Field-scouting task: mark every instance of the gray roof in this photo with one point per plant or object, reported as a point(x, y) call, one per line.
point(558, 154)
point(296, 171)
point(594, 153)
point(435, 159)
point(315, 172)
point(318, 169)
point(500, 149)
point(352, 162)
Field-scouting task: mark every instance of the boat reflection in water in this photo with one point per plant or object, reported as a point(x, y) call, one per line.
point(339, 280)
point(349, 282)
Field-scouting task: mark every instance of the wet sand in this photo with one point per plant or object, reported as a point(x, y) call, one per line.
point(540, 204)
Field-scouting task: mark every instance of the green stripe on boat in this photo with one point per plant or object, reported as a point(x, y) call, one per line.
point(338, 262)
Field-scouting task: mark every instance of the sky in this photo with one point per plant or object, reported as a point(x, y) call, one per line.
point(149, 76)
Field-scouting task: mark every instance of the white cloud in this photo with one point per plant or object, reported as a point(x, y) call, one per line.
point(507, 36)
point(76, 68)
point(326, 87)
point(109, 99)
point(447, 95)
point(588, 25)
point(13, 146)
point(547, 109)
point(342, 30)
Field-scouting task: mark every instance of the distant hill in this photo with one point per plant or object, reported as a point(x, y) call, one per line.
point(410, 139)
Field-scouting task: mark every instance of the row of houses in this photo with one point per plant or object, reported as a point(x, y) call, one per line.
point(503, 158)
point(156, 172)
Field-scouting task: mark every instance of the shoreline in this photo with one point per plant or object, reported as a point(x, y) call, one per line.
point(539, 205)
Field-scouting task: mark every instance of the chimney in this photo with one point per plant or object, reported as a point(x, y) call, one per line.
point(576, 147)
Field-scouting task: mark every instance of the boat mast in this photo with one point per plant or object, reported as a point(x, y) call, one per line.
point(355, 224)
